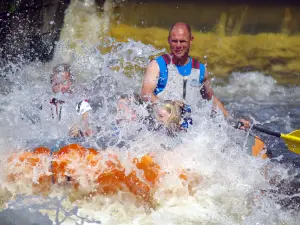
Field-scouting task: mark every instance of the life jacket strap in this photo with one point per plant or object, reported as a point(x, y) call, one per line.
point(167, 58)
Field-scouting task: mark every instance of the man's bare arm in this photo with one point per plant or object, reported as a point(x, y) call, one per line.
point(150, 82)
point(220, 105)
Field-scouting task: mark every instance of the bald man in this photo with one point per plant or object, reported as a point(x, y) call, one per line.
point(177, 76)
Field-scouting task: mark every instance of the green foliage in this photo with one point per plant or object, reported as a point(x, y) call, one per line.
point(274, 54)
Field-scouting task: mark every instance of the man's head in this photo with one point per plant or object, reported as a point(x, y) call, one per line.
point(61, 78)
point(180, 39)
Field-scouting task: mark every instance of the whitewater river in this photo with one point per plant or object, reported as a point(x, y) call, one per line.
point(235, 188)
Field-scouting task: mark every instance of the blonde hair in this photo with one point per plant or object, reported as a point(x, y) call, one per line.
point(174, 110)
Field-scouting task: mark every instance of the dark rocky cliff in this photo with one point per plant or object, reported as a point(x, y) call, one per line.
point(29, 28)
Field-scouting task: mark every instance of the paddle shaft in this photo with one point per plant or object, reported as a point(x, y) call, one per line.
point(263, 130)
point(273, 133)
point(292, 140)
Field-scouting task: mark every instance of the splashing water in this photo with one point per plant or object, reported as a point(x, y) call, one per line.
point(225, 184)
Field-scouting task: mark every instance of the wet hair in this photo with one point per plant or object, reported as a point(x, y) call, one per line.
point(187, 26)
point(172, 108)
point(172, 126)
point(60, 68)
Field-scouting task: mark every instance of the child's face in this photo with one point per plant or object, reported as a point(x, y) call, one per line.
point(61, 82)
point(168, 114)
point(162, 115)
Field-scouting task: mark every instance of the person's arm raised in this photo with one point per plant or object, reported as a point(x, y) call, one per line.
point(150, 82)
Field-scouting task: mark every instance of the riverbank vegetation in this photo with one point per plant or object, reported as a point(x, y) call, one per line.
point(274, 54)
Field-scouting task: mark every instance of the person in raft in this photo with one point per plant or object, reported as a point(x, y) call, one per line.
point(64, 102)
point(179, 77)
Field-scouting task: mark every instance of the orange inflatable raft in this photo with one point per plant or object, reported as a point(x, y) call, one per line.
point(92, 171)
point(84, 168)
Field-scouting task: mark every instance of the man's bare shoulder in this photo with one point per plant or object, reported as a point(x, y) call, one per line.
point(153, 65)
point(152, 69)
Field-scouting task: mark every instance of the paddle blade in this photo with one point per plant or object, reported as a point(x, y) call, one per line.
point(292, 141)
point(296, 134)
point(293, 146)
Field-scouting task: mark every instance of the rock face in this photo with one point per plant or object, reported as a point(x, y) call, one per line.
point(29, 28)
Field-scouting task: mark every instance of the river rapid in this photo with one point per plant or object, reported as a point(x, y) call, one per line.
point(230, 186)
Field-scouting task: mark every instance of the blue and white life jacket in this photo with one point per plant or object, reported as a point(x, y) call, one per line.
point(181, 83)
